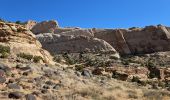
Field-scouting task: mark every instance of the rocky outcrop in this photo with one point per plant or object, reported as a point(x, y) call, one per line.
point(45, 27)
point(56, 43)
point(114, 37)
point(148, 40)
point(126, 41)
point(136, 40)
point(20, 40)
point(74, 32)
point(30, 24)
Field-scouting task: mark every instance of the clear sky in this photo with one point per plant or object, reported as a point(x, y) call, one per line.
point(89, 13)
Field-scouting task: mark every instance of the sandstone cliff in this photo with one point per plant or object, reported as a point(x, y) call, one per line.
point(74, 44)
point(138, 40)
point(21, 40)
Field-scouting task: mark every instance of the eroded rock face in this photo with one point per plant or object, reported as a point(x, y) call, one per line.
point(114, 37)
point(56, 43)
point(74, 32)
point(148, 40)
point(30, 24)
point(20, 40)
point(136, 40)
point(45, 27)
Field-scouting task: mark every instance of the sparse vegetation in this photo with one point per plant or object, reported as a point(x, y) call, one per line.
point(25, 56)
point(69, 59)
point(37, 59)
point(79, 67)
point(4, 51)
point(58, 58)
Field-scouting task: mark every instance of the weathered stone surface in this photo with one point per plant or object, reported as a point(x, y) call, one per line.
point(30, 24)
point(45, 27)
point(21, 41)
point(113, 37)
point(62, 43)
point(136, 40)
point(148, 40)
point(77, 32)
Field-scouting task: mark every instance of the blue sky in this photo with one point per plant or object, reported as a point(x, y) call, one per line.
point(89, 13)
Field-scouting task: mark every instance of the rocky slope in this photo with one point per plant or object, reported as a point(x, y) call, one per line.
point(87, 64)
point(21, 40)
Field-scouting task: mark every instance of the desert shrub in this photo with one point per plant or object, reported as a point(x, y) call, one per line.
point(58, 58)
point(37, 59)
point(18, 22)
point(125, 62)
point(4, 55)
point(25, 56)
point(151, 64)
point(162, 84)
point(69, 60)
point(4, 51)
point(79, 67)
point(135, 79)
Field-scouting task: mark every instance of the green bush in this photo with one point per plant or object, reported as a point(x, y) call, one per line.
point(79, 67)
point(135, 79)
point(58, 58)
point(4, 55)
point(18, 22)
point(37, 59)
point(25, 56)
point(151, 64)
point(69, 59)
point(4, 49)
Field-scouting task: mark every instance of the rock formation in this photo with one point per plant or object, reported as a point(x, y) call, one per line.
point(125, 41)
point(30, 24)
point(20, 40)
point(138, 40)
point(56, 43)
point(45, 27)
point(74, 32)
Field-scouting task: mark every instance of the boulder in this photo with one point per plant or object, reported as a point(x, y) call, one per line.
point(45, 27)
point(74, 44)
point(21, 40)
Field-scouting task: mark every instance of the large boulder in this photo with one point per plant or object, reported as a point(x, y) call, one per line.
point(21, 40)
point(45, 27)
point(56, 43)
